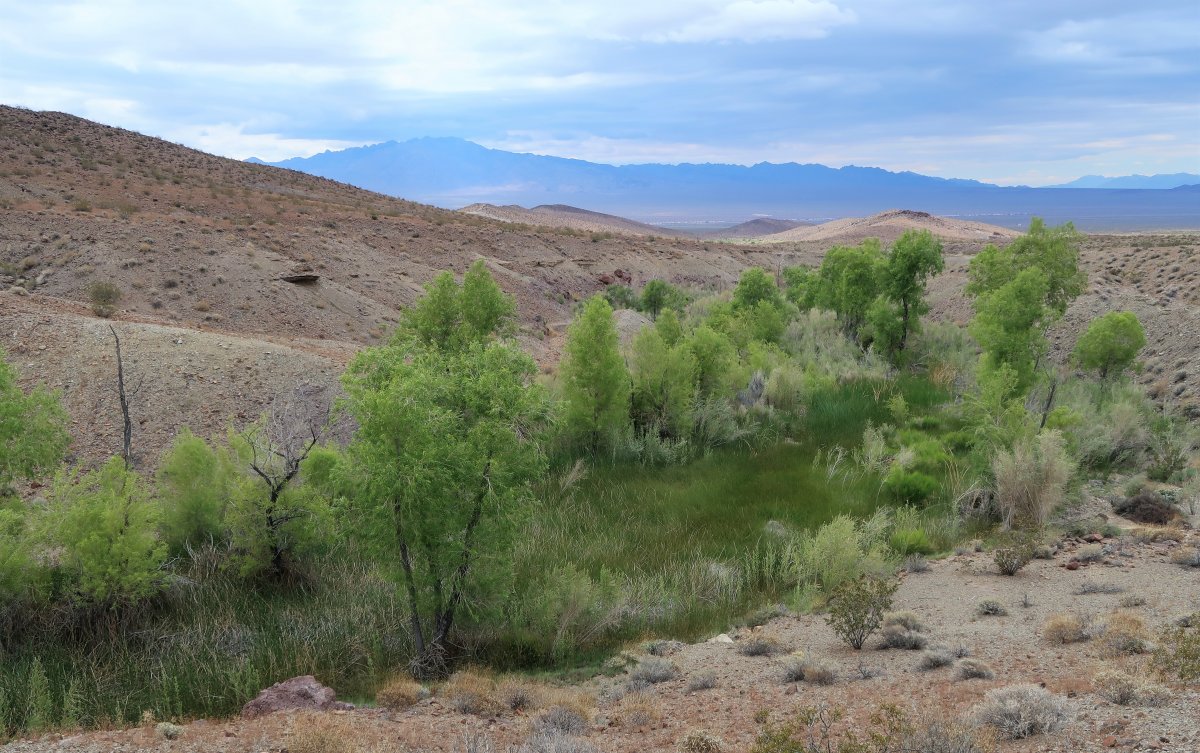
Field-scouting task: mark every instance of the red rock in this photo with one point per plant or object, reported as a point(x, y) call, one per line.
point(1093, 538)
point(298, 693)
point(1109, 742)
point(1072, 565)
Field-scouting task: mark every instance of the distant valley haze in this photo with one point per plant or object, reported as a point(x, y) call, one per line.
point(452, 173)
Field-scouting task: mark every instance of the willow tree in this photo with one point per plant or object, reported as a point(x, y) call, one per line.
point(444, 459)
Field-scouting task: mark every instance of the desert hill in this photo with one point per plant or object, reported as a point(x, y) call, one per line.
point(755, 228)
point(568, 218)
point(205, 251)
point(890, 225)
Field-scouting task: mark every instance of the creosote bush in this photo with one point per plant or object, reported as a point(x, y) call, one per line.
point(104, 297)
point(1010, 560)
point(856, 608)
point(698, 741)
point(1177, 653)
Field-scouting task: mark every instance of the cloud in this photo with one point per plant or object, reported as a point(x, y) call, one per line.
point(756, 21)
point(239, 142)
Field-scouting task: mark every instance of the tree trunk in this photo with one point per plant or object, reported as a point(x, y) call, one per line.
point(904, 327)
point(127, 438)
point(1049, 403)
point(445, 620)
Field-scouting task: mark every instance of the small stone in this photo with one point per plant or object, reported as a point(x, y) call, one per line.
point(1110, 742)
point(1073, 565)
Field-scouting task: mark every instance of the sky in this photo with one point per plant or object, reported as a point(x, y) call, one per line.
point(1011, 92)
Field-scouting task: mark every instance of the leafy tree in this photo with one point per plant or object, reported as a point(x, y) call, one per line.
point(486, 309)
point(849, 282)
point(1008, 325)
point(621, 297)
point(449, 314)
point(33, 430)
point(755, 286)
point(105, 523)
point(595, 381)
point(800, 286)
point(764, 322)
point(913, 259)
point(655, 296)
point(663, 383)
point(669, 328)
point(1054, 252)
point(1110, 344)
point(445, 455)
point(194, 483)
point(715, 360)
point(19, 571)
point(884, 326)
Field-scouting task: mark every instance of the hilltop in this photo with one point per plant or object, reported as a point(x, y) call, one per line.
point(568, 218)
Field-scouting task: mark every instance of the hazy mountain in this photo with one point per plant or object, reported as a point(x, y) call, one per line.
point(1172, 180)
point(453, 173)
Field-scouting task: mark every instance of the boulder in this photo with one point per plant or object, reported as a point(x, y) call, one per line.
point(297, 694)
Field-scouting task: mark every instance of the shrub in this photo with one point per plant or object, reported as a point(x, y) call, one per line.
point(1125, 633)
point(1020, 711)
point(910, 487)
point(974, 669)
point(104, 297)
point(906, 619)
point(935, 734)
point(857, 607)
point(900, 637)
point(819, 673)
point(1090, 553)
point(759, 646)
point(1147, 507)
point(562, 720)
point(935, 659)
point(1089, 587)
point(321, 733)
point(544, 742)
point(1178, 651)
point(1063, 629)
point(916, 563)
point(701, 681)
point(1186, 556)
point(840, 551)
point(652, 671)
point(700, 742)
point(1116, 686)
point(990, 608)
point(1031, 480)
point(470, 692)
point(517, 694)
point(638, 711)
point(400, 693)
point(1011, 559)
point(910, 541)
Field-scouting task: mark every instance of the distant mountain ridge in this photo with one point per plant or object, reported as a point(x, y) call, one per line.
point(1158, 181)
point(452, 173)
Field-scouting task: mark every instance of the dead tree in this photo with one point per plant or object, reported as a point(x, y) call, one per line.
point(127, 434)
point(295, 423)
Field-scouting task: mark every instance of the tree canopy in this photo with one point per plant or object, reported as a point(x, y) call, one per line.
point(33, 430)
point(1110, 344)
point(595, 380)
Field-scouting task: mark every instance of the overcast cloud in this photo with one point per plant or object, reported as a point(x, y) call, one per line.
point(1011, 92)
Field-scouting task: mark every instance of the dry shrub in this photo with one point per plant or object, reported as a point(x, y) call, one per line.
point(518, 694)
point(1031, 480)
point(906, 619)
point(974, 669)
point(1125, 689)
point(400, 692)
point(702, 681)
point(563, 720)
point(1020, 711)
point(1125, 633)
point(638, 711)
point(1064, 628)
point(938, 734)
point(698, 741)
point(819, 673)
point(472, 692)
point(759, 646)
point(1186, 556)
point(935, 658)
point(895, 636)
point(1178, 651)
point(541, 742)
point(321, 733)
point(1147, 507)
point(1155, 534)
point(1011, 559)
point(1090, 553)
point(990, 608)
point(652, 671)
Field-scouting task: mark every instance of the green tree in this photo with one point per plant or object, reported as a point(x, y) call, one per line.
point(800, 286)
point(445, 456)
point(105, 524)
point(33, 430)
point(755, 286)
point(1054, 252)
point(914, 258)
point(849, 281)
point(1009, 323)
point(20, 572)
point(715, 360)
point(655, 296)
point(194, 485)
point(595, 380)
point(450, 314)
point(664, 388)
point(669, 328)
point(1110, 344)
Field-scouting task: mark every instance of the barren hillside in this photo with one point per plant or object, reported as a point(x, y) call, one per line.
point(888, 226)
point(565, 217)
point(200, 247)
